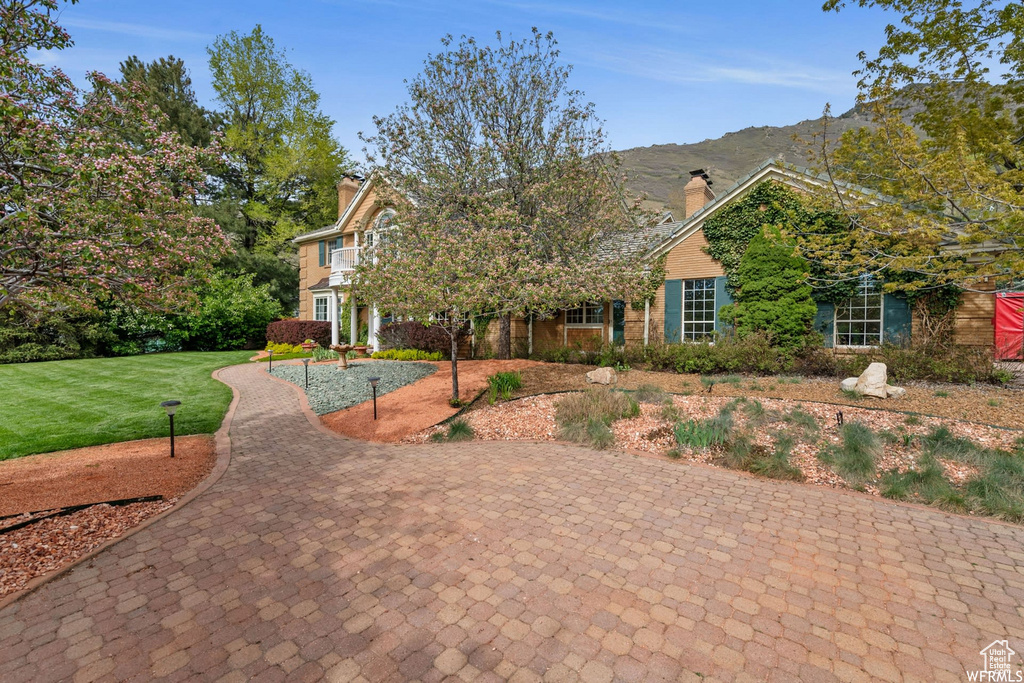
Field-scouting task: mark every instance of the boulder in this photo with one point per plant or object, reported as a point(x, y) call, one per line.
point(602, 376)
point(872, 382)
point(895, 392)
point(848, 384)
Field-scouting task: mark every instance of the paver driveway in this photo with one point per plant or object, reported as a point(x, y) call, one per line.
point(319, 556)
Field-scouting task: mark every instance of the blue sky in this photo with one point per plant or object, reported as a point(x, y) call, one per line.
point(658, 72)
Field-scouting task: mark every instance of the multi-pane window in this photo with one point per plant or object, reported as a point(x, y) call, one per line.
point(698, 308)
point(587, 314)
point(320, 304)
point(859, 318)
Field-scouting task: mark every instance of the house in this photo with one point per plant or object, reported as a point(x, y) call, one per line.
point(685, 308)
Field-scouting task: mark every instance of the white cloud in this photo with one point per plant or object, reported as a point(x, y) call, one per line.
point(670, 66)
point(137, 30)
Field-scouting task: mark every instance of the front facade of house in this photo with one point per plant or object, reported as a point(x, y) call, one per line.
point(685, 308)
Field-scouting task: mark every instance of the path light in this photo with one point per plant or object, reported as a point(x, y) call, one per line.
point(373, 384)
point(171, 407)
point(305, 361)
point(839, 419)
point(270, 364)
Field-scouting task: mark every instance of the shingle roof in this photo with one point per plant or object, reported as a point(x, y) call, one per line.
point(325, 283)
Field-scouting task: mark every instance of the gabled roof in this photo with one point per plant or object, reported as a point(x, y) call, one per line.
point(790, 174)
point(339, 226)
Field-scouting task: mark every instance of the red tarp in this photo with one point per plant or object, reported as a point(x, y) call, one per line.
point(1009, 323)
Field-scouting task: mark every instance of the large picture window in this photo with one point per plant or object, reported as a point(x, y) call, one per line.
point(587, 314)
point(859, 318)
point(698, 309)
point(320, 306)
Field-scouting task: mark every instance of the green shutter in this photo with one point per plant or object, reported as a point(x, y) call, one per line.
point(619, 322)
point(673, 310)
point(896, 319)
point(722, 298)
point(323, 251)
point(825, 323)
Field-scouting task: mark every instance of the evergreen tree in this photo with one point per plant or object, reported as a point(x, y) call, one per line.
point(774, 295)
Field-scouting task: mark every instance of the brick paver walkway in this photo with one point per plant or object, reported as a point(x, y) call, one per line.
point(317, 556)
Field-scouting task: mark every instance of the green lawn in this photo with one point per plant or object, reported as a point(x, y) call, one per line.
point(73, 403)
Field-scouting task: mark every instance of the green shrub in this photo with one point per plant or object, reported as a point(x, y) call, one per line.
point(407, 354)
point(649, 393)
point(926, 483)
point(585, 417)
point(854, 458)
point(714, 431)
point(233, 313)
point(503, 384)
point(458, 430)
point(999, 489)
point(321, 354)
point(942, 443)
point(601, 404)
point(904, 362)
point(803, 423)
point(773, 296)
point(283, 348)
point(594, 433)
point(777, 465)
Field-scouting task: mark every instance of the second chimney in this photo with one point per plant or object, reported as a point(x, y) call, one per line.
point(698, 192)
point(347, 189)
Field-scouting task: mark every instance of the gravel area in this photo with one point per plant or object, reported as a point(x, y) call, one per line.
point(533, 419)
point(980, 403)
point(331, 389)
point(52, 543)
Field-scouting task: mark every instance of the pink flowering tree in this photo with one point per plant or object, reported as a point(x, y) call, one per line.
point(94, 198)
point(508, 200)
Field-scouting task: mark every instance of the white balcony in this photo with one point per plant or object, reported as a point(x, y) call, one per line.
point(343, 264)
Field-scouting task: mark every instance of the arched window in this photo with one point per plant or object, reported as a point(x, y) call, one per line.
point(380, 226)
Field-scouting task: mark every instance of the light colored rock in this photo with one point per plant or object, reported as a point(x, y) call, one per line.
point(848, 384)
point(895, 392)
point(602, 376)
point(872, 382)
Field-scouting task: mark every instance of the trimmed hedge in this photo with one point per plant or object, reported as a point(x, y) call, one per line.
point(295, 331)
point(416, 335)
point(407, 354)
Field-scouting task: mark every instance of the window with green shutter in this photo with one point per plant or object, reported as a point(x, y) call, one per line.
point(673, 310)
point(323, 252)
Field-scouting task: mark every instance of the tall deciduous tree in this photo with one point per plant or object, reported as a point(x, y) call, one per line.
point(507, 201)
point(283, 162)
point(951, 182)
point(86, 215)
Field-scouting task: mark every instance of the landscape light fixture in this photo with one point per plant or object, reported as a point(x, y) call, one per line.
point(373, 385)
point(171, 407)
point(305, 361)
point(839, 419)
point(270, 363)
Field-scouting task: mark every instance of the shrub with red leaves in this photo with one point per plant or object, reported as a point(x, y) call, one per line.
point(295, 331)
point(416, 335)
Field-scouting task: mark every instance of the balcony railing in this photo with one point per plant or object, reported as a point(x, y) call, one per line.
point(344, 260)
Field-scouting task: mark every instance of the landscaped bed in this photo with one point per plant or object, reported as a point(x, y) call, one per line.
point(331, 389)
point(958, 465)
point(51, 481)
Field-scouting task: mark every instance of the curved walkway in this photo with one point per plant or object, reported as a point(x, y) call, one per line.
point(317, 556)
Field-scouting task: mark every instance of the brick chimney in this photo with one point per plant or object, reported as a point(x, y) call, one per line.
point(698, 192)
point(347, 189)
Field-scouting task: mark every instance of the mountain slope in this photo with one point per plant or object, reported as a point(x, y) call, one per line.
point(661, 171)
